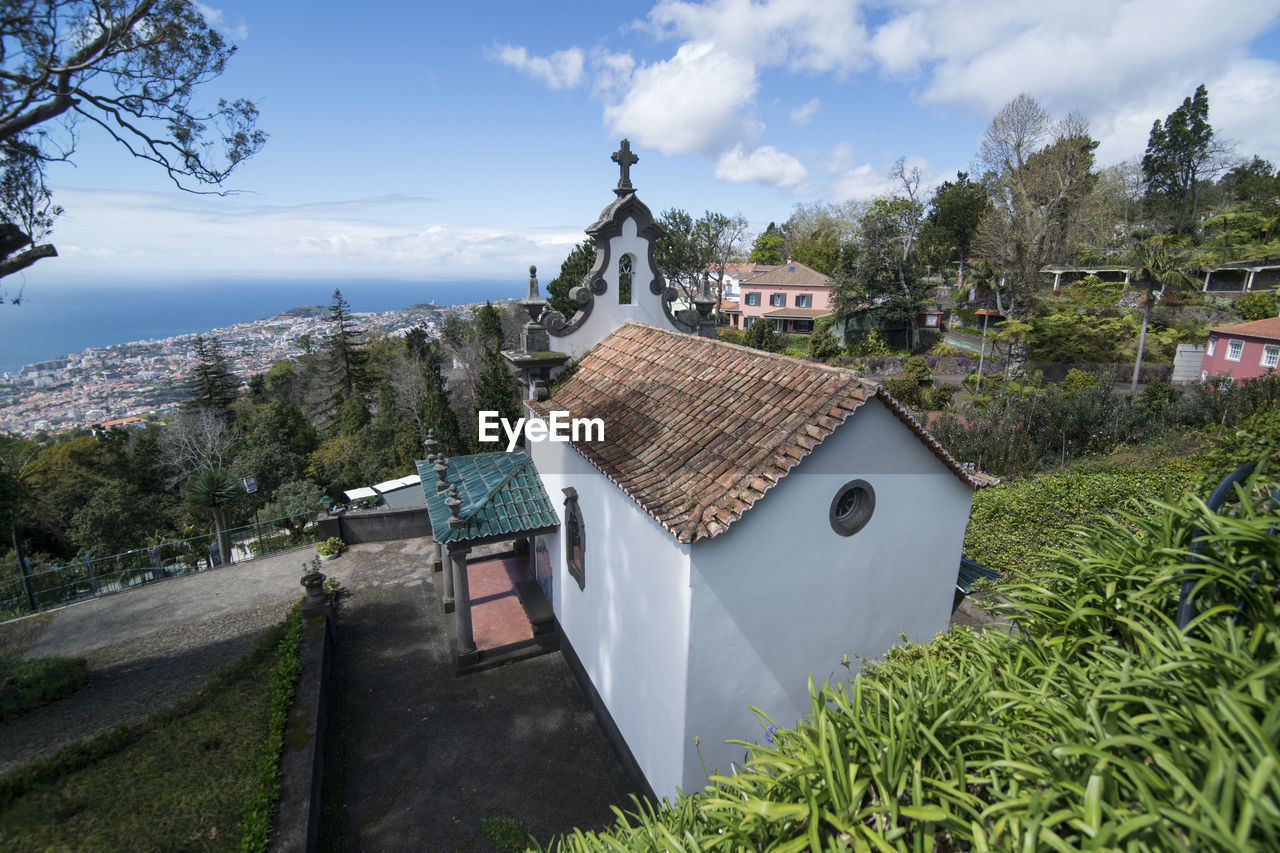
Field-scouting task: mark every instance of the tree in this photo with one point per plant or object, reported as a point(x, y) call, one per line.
point(1157, 265)
point(496, 391)
point(767, 248)
point(1036, 165)
point(296, 502)
point(434, 411)
point(723, 236)
point(348, 361)
point(574, 269)
point(951, 226)
point(760, 335)
point(815, 234)
point(886, 267)
point(488, 325)
point(213, 385)
point(132, 69)
point(680, 253)
point(1179, 153)
point(216, 490)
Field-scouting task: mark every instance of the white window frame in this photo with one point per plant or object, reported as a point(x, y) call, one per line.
point(1213, 344)
point(752, 298)
point(777, 300)
point(804, 300)
point(1235, 349)
point(1270, 355)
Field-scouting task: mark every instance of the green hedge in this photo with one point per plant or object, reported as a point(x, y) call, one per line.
point(1097, 724)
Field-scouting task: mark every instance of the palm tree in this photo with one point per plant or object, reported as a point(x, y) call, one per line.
point(216, 490)
point(1157, 265)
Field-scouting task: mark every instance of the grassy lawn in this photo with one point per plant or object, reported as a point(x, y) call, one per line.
point(28, 684)
point(179, 781)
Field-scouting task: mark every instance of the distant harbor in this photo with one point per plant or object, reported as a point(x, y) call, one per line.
point(57, 320)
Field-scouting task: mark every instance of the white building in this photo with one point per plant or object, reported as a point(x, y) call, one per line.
point(748, 520)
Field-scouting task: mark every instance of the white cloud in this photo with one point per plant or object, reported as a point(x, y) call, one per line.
point(804, 113)
point(216, 19)
point(561, 70)
point(765, 165)
point(837, 158)
point(866, 182)
point(696, 102)
point(804, 35)
point(147, 236)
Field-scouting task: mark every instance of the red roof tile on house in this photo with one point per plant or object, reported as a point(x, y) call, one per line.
point(1268, 328)
point(700, 429)
point(792, 272)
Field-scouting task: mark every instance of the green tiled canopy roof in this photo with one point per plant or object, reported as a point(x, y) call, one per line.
point(501, 493)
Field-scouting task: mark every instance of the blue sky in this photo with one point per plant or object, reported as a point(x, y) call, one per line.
point(434, 141)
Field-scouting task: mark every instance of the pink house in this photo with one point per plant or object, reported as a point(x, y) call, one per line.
point(792, 296)
point(1242, 350)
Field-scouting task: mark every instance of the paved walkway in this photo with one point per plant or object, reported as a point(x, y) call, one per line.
point(418, 758)
point(497, 616)
point(146, 647)
point(421, 757)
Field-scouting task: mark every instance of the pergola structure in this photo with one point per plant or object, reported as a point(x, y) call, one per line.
point(475, 500)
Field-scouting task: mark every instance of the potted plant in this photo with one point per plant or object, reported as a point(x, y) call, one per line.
point(329, 548)
point(312, 579)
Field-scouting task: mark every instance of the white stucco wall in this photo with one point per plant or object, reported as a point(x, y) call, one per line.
point(607, 314)
point(630, 624)
point(781, 595)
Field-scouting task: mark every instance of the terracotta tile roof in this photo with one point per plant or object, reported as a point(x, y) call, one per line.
point(792, 272)
point(1268, 328)
point(801, 313)
point(698, 430)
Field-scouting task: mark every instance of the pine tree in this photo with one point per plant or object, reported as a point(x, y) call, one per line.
point(489, 326)
point(574, 269)
point(213, 385)
point(348, 360)
point(495, 391)
point(434, 410)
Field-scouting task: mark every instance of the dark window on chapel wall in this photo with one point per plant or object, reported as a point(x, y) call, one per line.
point(575, 545)
point(852, 507)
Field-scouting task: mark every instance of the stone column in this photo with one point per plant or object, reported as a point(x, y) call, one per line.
point(1207, 273)
point(446, 572)
point(462, 603)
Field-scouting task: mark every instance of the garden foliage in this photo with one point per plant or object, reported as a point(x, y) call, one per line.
point(1095, 724)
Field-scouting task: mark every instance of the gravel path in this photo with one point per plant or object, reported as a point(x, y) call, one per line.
point(145, 648)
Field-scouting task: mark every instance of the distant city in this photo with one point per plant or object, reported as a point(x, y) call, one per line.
point(124, 384)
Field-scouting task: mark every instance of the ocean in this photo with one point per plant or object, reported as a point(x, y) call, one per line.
point(55, 320)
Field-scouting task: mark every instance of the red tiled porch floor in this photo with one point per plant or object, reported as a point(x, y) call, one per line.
point(497, 617)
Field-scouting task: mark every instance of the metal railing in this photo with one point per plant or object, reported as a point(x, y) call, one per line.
point(59, 584)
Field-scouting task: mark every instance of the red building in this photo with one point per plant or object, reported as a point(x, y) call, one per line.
point(1242, 350)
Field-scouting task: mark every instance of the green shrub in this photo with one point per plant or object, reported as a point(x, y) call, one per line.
point(760, 335)
point(1098, 724)
point(1078, 380)
point(28, 684)
point(823, 345)
point(870, 344)
point(733, 336)
point(1258, 305)
point(329, 547)
point(259, 812)
point(507, 835)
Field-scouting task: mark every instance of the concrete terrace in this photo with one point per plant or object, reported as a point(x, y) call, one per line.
point(417, 757)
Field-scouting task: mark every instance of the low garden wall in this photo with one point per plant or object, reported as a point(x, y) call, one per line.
point(376, 525)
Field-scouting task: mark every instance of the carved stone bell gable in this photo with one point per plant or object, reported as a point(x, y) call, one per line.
point(626, 230)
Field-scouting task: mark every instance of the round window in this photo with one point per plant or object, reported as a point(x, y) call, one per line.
point(852, 506)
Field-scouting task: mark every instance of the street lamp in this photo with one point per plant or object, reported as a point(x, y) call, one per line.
point(251, 487)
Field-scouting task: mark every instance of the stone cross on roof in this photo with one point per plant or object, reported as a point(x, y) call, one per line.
point(625, 160)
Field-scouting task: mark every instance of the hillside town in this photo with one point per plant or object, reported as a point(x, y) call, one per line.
point(125, 384)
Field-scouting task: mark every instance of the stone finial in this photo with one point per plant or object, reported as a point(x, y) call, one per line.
point(625, 160)
point(704, 302)
point(431, 445)
point(533, 335)
point(454, 503)
point(442, 474)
